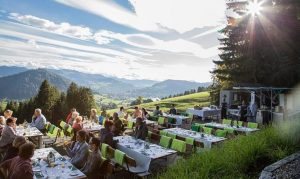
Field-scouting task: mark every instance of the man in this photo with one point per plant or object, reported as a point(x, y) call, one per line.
point(38, 120)
point(157, 112)
point(70, 115)
point(173, 110)
point(80, 151)
point(141, 129)
point(13, 151)
point(20, 166)
point(137, 112)
point(106, 135)
point(92, 166)
point(121, 113)
point(118, 125)
point(8, 133)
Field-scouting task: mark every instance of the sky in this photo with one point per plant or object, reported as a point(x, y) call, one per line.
point(133, 39)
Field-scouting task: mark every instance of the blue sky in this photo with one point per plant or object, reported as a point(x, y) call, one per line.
point(134, 39)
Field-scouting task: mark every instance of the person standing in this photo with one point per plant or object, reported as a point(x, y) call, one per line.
point(141, 130)
point(137, 112)
point(39, 120)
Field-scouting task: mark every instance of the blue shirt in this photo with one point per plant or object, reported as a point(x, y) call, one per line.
point(39, 122)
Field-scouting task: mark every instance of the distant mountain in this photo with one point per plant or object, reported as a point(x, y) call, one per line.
point(26, 84)
point(11, 70)
point(138, 83)
point(169, 87)
point(98, 83)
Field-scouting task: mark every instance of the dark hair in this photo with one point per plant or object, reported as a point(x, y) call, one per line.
point(107, 124)
point(157, 107)
point(136, 107)
point(82, 134)
point(143, 109)
point(95, 141)
point(26, 150)
point(9, 120)
point(121, 108)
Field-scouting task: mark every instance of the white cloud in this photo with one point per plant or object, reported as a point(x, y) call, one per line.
point(63, 28)
point(157, 15)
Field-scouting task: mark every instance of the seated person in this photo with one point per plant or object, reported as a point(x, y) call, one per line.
point(8, 133)
point(20, 166)
point(80, 150)
point(137, 112)
point(77, 124)
point(2, 123)
point(39, 120)
point(70, 115)
point(145, 114)
point(157, 112)
point(92, 166)
point(93, 116)
point(118, 125)
point(173, 110)
point(73, 117)
point(141, 130)
point(106, 135)
point(8, 113)
point(13, 151)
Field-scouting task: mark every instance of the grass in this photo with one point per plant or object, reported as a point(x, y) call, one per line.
point(242, 157)
point(181, 102)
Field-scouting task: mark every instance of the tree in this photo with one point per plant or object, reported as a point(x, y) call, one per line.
point(139, 100)
point(260, 48)
point(60, 109)
point(72, 96)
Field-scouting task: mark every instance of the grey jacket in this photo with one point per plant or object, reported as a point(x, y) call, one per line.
point(39, 122)
point(8, 136)
point(141, 132)
point(92, 166)
point(79, 154)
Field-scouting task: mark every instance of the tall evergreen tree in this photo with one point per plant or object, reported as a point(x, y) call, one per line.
point(72, 96)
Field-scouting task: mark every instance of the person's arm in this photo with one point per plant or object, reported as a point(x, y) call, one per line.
point(82, 156)
point(28, 172)
point(70, 152)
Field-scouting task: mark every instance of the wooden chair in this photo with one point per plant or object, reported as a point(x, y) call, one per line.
point(155, 138)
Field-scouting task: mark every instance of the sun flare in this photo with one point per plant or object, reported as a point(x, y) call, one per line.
point(254, 7)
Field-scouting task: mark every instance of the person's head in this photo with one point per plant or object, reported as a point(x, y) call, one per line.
point(26, 150)
point(78, 119)
point(10, 121)
point(93, 112)
point(81, 136)
point(115, 116)
point(108, 125)
point(121, 108)
point(2, 120)
point(18, 141)
point(75, 115)
point(8, 113)
point(144, 110)
point(139, 121)
point(136, 108)
point(37, 112)
point(73, 110)
point(173, 105)
point(94, 143)
point(157, 107)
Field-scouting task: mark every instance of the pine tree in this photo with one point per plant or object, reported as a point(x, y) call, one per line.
point(72, 96)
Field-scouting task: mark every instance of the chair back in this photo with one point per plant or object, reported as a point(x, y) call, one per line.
point(207, 130)
point(119, 157)
point(161, 120)
point(221, 133)
point(162, 132)
point(104, 148)
point(165, 141)
point(252, 125)
point(173, 136)
point(178, 145)
point(226, 121)
point(62, 124)
point(130, 124)
point(190, 140)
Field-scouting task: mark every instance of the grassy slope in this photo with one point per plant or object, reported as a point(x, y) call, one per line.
point(242, 157)
point(181, 102)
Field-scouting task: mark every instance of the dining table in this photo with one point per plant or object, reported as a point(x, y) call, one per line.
point(61, 168)
point(179, 118)
point(242, 129)
point(28, 132)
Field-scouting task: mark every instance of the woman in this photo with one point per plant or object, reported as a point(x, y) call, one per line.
point(72, 119)
point(70, 115)
point(8, 113)
point(118, 125)
point(20, 166)
point(77, 124)
point(145, 114)
point(13, 151)
point(106, 135)
point(93, 116)
point(8, 133)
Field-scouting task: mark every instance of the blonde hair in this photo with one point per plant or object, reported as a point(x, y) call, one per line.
point(8, 112)
point(78, 119)
point(94, 111)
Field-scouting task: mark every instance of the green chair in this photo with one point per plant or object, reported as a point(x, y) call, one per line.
point(178, 145)
point(104, 148)
point(173, 136)
point(165, 141)
point(199, 124)
point(119, 157)
point(70, 130)
point(226, 121)
point(238, 123)
point(161, 132)
point(130, 124)
point(252, 125)
point(221, 133)
point(229, 130)
point(195, 128)
point(51, 129)
point(62, 124)
point(171, 120)
point(207, 130)
point(54, 132)
point(161, 120)
point(190, 141)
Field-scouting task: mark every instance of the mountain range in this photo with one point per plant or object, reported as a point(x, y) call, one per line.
point(23, 83)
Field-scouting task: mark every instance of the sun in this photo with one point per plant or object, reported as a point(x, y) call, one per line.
point(254, 7)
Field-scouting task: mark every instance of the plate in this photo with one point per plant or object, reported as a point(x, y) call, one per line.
point(74, 174)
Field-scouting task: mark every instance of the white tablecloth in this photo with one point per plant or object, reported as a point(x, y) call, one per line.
point(63, 168)
point(30, 132)
point(204, 112)
point(92, 127)
point(135, 149)
point(206, 139)
point(148, 122)
point(178, 118)
point(239, 129)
